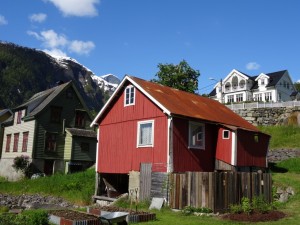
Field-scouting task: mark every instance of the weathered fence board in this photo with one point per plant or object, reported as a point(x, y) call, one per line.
point(217, 190)
point(145, 181)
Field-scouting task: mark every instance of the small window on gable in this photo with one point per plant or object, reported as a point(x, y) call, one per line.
point(129, 96)
point(196, 135)
point(19, 117)
point(55, 116)
point(80, 119)
point(256, 139)
point(145, 134)
point(226, 134)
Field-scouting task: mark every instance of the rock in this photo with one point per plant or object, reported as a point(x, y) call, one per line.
point(283, 197)
point(33, 201)
point(290, 191)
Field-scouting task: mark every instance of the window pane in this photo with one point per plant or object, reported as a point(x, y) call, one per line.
point(8, 139)
point(196, 135)
point(50, 142)
point(129, 96)
point(25, 142)
point(16, 142)
point(146, 134)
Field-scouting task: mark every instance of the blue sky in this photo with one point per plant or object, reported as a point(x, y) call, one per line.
point(134, 36)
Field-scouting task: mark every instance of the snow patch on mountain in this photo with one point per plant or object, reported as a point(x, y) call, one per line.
point(108, 82)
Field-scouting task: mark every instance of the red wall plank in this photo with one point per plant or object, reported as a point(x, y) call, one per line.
point(186, 159)
point(250, 152)
point(118, 152)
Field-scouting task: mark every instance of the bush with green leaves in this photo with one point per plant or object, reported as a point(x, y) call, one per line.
point(30, 217)
point(22, 163)
point(257, 204)
point(188, 210)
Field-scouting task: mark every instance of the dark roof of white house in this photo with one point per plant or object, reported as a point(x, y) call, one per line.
point(274, 79)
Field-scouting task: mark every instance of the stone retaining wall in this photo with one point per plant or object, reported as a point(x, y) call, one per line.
point(271, 116)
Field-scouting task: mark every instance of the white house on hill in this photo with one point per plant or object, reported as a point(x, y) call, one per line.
point(266, 87)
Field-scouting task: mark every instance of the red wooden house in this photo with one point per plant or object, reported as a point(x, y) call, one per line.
point(175, 131)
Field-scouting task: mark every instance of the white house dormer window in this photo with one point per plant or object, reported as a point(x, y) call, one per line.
point(262, 81)
point(129, 97)
point(196, 135)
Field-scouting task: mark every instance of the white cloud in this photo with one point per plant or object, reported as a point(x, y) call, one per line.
point(81, 47)
point(77, 7)
point(3, 21)
point(52, 39)
point(252, 66)
point(56, 43)
point(55, 52)
point(39, 18)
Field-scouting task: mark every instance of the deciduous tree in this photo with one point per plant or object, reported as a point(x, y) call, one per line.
point(180, 76)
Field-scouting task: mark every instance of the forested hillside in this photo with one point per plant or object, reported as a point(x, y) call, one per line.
point(25, 71)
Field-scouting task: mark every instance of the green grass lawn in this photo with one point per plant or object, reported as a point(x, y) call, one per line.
point(283, 136)
point(77, 188)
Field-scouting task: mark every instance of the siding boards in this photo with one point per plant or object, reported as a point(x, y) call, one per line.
point(78, 154)
point(188, 159)
point(19, 128)
point(217, 190)
point(122, 138)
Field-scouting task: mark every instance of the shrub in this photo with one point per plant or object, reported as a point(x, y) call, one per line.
point(188, 210)
point(21, 163)
point(36, 217)
point(235, 209)
point(246, 206)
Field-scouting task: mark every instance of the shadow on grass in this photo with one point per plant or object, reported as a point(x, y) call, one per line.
point(276, 169)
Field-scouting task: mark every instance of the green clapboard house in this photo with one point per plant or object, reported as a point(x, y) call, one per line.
point(53, 129)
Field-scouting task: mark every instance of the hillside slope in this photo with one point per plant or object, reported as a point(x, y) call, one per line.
point(25, 71)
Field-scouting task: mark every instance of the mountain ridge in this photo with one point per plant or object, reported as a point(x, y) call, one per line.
point(25, 71)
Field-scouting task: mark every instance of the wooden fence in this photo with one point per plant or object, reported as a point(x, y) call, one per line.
point(217, 190)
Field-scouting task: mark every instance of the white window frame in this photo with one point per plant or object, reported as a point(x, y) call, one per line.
point(191, 146)
point(223, 136)
point(141, 145)
point(130, 89)
point(268, 96)
point(230, 98)
point(239, 97)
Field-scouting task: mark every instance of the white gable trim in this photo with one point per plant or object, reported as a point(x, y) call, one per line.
point(127, 78)
point(262, 75)
point(231, 74)
point(164, 109)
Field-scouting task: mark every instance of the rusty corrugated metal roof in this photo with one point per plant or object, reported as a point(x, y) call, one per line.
point(186, 104)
